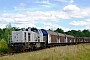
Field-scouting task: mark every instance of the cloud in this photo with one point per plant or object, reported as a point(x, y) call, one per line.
point(33, 17)
point(71, 8)
point(78, 23)
point(2, 26)
point(30, 19)
point(70, 11)
point(4, 10)
point(22, 5)
point(43, 2)
point(81, 23)
point(66, 1)
point(54, 26)
point(24, 25)
point(88, 27)
point(46, 3)
point(75, 12)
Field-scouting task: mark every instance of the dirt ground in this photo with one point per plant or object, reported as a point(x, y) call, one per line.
point(1, 55)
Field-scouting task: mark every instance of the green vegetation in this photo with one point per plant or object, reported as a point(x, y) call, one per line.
point(5, 34)
point(71, 52)
point(76, 33)
point(59, 30)
point(3, 46)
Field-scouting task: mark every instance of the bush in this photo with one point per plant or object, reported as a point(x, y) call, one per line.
point(3, 46)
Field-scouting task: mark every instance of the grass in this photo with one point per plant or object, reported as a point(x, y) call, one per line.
point(71, 52)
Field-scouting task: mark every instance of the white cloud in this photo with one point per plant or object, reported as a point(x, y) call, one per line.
point(30, 19)
point(54, 26)
point(22, 5)
point(71, 8)
point(87, 10)
point(88, 21)
point(88, 27)
point(2, 26)
point(4, 10)
point(75, 12)
point(69, 11)
point(24, 25)
point(43, 2)
point(66, 1)
point(81, 23)
point(6, 18)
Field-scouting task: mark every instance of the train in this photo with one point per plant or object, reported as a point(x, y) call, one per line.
point(33, 38)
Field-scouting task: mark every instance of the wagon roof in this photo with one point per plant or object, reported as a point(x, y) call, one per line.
point(84, 37)
point(52, 33)
point(69, 36)
point(60, 34)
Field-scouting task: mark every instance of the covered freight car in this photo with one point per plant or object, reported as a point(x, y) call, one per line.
point(55, 38)
point(82, 39)
point(69, 39)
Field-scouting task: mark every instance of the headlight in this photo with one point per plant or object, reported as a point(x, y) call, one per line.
point(11, 45)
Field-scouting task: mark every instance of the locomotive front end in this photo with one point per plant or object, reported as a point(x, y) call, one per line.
point(17, 42)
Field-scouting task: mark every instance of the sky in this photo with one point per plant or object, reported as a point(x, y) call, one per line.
point(46, 14)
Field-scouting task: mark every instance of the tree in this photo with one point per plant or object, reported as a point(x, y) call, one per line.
point(8, 25)
point(59, 30)
point(7, 34)
point(3, 46)
point(75, 33)
point(50, 30)
point(86, 33)
point(15, 29)
point(1, 33)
